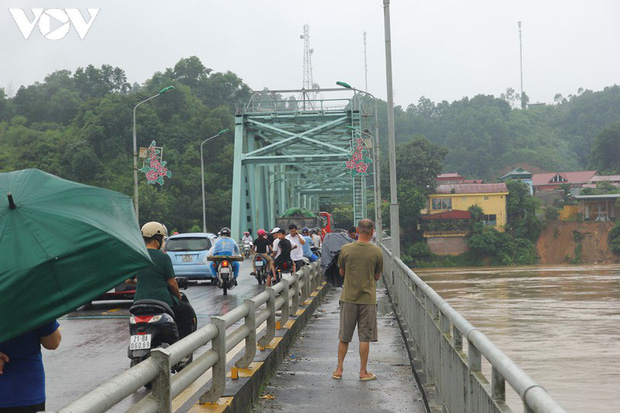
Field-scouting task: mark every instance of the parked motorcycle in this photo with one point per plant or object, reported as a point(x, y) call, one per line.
point(261, 266)
point(225, 273)
point(152, 325)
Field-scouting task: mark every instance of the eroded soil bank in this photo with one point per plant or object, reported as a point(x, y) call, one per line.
point(579, 242)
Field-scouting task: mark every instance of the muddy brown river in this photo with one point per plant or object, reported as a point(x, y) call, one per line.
point(560, 324)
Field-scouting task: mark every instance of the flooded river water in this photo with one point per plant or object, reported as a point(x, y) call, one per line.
point(560, 324)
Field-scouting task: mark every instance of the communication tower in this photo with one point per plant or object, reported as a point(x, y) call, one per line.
point(308, 83)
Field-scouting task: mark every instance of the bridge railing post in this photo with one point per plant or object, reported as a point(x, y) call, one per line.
point(250, 340)
point(218, 380)
point(296, 292)
point(270, 331)
point(306, 281)
point(161, 384)
point(498, 386)
point(284, 311)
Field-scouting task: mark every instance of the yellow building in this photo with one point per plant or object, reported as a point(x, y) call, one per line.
point(459, 197)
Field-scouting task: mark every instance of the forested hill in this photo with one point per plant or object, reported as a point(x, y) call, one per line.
point(78, 125)
point(487, 137)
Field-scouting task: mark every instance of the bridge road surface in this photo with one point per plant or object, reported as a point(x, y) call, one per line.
point(95, 340)
point(303, 383)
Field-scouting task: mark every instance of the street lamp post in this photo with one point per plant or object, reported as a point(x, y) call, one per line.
point(202, 174)
point(377, 164)
point(135, 152)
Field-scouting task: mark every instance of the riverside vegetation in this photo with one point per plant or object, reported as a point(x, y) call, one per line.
point(78, 125)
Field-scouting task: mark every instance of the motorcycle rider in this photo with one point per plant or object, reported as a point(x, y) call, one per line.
point(263, 248)
point(316, 238)
point(307, 247)
point(157, 281)
point(225, 246)
point(282, 250)
point(247, 240)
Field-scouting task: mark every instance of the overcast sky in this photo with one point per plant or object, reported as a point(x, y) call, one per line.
point(442, 49)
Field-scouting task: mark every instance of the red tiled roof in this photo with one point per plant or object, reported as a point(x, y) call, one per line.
point(470, 188)
point(473, 181)
point(450, 175)
point(454, 214)
point(578, 177)
point(601, 178)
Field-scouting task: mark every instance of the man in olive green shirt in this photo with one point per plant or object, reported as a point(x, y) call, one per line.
point(361, 265)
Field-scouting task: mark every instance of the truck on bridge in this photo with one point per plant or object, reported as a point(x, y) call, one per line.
point(305, 218)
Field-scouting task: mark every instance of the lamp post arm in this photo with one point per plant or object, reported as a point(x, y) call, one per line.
point(202, 174)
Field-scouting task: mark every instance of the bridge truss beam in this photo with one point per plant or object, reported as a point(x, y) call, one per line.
point(289, 152)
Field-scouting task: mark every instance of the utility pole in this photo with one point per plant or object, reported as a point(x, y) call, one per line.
point(394, 213)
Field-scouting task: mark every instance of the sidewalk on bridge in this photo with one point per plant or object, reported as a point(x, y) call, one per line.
point(303, 382)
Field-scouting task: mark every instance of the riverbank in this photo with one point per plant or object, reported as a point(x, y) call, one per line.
point(575, 242)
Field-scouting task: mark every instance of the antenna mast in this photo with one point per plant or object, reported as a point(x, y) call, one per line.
point(365, 65)
point(308, 82)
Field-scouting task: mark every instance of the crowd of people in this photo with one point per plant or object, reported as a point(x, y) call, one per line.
point(278, 247)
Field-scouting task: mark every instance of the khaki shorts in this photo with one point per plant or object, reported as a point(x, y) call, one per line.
point(364, 316)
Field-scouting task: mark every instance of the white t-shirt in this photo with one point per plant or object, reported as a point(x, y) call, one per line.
point(296, 253)
point(317, 240)
point(275, 247)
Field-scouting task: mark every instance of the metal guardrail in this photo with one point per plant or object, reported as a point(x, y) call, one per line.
point(439, 332)
point(285, 296)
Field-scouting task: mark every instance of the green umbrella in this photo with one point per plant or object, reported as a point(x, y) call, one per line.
point(61, 245)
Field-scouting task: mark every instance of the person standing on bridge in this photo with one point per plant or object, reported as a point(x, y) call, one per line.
point(361, 265)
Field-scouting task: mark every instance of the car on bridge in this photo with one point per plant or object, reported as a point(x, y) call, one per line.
point(188, 253)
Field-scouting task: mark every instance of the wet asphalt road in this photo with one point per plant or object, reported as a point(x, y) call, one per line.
point(95, 340)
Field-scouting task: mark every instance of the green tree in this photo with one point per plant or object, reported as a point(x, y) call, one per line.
point(521, 211)
point(411, 199)
point(605, 155)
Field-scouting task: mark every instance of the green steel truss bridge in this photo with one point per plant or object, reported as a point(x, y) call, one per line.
point(291, 149)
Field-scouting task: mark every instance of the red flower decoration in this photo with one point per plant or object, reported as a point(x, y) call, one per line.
point(152, 175)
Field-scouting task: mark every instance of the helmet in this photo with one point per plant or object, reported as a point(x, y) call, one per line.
point(150, 229)
point(246, 233)
point(261, 232)
point(304, 230)
point(225, 232)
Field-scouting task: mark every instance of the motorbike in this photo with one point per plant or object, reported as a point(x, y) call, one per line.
point(316, 251)
point(247, 249)
point(261, 268)
point(152, 325)
point(283, 267)
point(225, 273)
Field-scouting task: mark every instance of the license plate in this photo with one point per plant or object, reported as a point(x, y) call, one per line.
point(225, 270)
point(140, 342)
point(259, 263)
point(187, 258)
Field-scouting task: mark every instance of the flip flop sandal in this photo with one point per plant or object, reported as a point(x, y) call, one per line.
point(371, 377)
